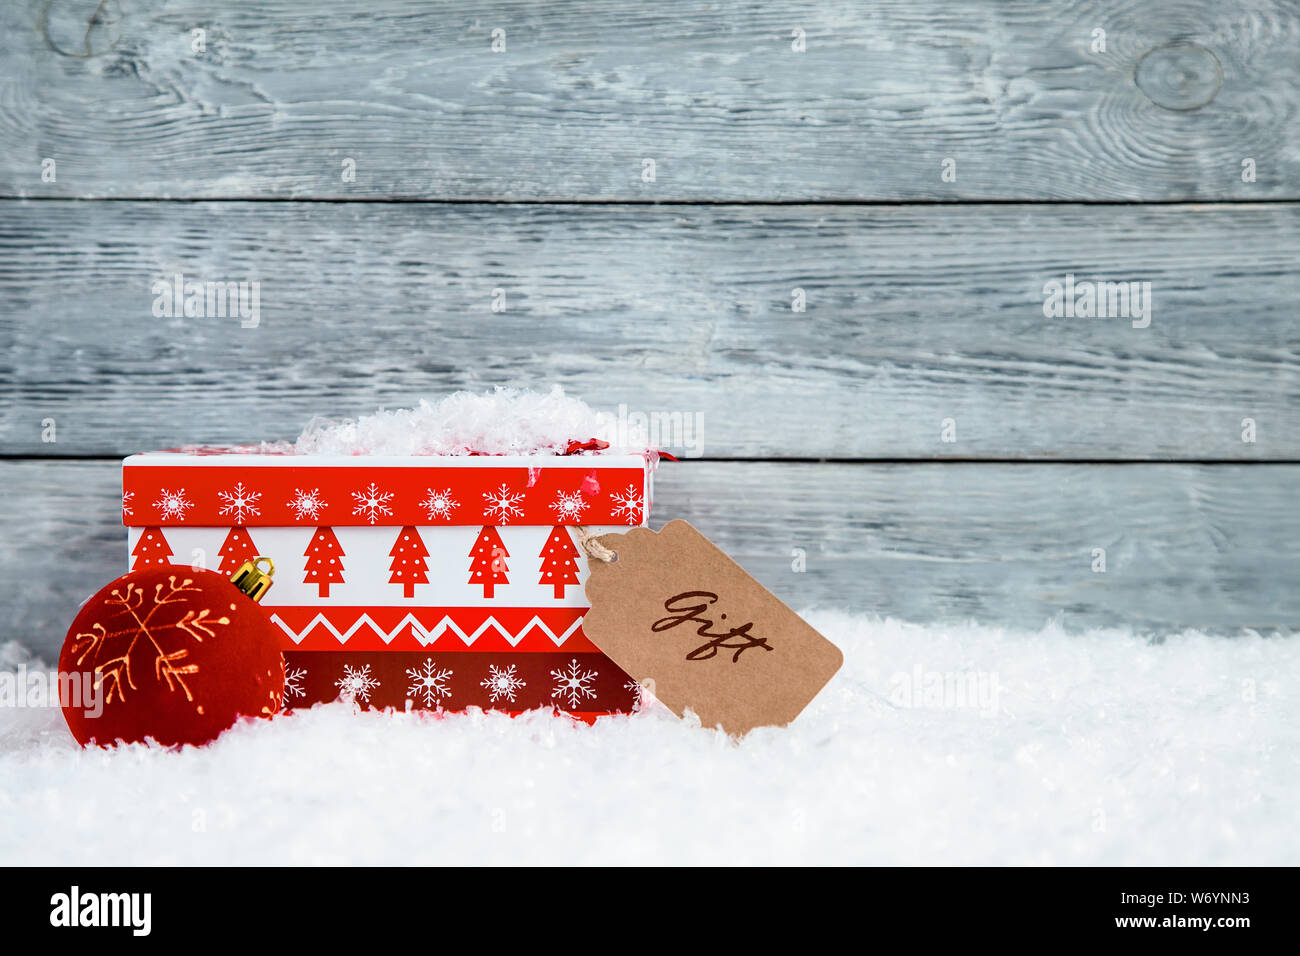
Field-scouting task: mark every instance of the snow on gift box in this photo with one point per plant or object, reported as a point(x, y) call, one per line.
point(445, 580)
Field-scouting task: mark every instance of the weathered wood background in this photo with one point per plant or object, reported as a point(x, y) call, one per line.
point(919, 170)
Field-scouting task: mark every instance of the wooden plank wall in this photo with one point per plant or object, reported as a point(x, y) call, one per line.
point(915, 175)
point(1019, 93)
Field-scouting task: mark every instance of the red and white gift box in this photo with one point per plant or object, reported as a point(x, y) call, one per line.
point(446, 582)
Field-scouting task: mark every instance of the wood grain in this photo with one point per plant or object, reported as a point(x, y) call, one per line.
point(1016, 93)
point(914, 315)
point(1186, 546)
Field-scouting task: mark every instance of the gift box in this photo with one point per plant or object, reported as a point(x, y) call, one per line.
point(426, 582)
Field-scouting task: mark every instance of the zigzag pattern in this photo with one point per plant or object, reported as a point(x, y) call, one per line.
point(427, 637)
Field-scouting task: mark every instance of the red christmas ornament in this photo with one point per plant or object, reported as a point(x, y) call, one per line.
point(174, 653)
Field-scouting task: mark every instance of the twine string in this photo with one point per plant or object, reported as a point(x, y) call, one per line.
point(590, 543)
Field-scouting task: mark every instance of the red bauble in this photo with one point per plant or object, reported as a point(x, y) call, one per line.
point(174, 653)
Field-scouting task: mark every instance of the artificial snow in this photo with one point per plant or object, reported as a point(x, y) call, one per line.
point(504, 421)
point(933, 745)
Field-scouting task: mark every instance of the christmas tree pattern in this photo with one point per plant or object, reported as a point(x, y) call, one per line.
point(558, 567)
point(151, 549)
point(324, 565)
point(235, 550)
point(488, 567)
point(408, 565)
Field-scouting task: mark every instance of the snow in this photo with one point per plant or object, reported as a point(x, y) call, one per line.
point(504, 421)
point(1017, 747)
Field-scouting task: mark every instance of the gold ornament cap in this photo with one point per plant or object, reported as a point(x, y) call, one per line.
point(252, 579)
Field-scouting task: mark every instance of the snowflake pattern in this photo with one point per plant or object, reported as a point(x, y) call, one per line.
point(628, 504)
point(293, 677)
point(502, 682)
point(307, 504)
point(569, 506)
point(573, 684)
point(428, 682)
point(172, 505)
point(148, 623)
point(640, 692)
point(356, 683)
point(502, 504)
point(439, 504)
point(239, 502)
point(372, 503)
point(126, 503)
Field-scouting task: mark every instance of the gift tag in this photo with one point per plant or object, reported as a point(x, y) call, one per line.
point(691, 624)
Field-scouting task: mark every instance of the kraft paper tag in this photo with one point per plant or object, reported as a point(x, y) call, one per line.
point(682, 618)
